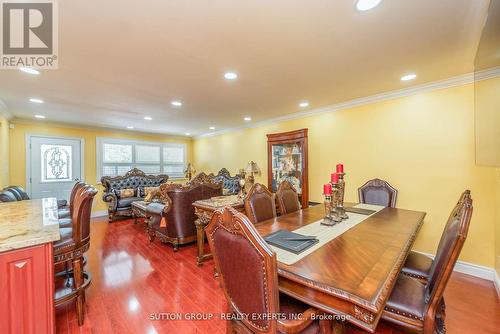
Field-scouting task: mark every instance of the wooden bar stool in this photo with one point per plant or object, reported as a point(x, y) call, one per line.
point(74, 242)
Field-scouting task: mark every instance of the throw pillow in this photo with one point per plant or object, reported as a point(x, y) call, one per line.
point(126, 193)
point(148, 190)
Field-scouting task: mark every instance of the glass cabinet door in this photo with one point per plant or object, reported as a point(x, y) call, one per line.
point(287, 165)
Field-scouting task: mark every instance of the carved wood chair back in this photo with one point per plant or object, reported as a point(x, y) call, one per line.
point(81, 214)
point(260, 203)
point(378, 192)
point(78, 185)
point(453, 240)
point(247, 268)
point(287, 198)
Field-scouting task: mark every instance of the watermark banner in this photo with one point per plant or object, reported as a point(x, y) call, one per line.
point(29, 36)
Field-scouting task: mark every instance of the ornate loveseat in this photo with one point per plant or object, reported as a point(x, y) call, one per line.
point(230, 184)
point(133, 179)
point(173, 220)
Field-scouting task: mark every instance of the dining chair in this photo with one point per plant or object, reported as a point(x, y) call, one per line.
point(74, 242)
point(259, 203)
point(378, 192)
point(418, 265)
point(418, 308)
point(287, 198)
point(248, 276)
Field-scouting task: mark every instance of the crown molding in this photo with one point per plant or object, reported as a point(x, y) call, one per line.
point(486, 74)
point(418, 89)
point(26, 121)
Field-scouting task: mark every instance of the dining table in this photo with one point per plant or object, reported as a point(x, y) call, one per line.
point(351, 274)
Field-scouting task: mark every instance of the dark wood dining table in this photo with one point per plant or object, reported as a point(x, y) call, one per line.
point(351, 276)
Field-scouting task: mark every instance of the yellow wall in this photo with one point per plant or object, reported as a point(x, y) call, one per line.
point(4, 152)
point(487, 121)
point(18, 148)
point(422, 144)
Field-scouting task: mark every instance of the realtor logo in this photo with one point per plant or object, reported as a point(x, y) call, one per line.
point(29, 34)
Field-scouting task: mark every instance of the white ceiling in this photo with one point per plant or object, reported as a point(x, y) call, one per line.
point(120, 60)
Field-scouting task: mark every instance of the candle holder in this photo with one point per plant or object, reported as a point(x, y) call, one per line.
point(340, 201)
point(331, 216)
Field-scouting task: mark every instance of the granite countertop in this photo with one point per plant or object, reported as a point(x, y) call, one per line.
point(28, 223)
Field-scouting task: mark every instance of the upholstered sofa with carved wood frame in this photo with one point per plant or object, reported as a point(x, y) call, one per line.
point(230, 184)
point(133, 179)
point(173, 220)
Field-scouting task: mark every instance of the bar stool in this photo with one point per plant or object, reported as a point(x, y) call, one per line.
point(74, 242)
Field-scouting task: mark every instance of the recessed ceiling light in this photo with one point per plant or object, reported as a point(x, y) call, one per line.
point(130, 127)
point(36, 100)
point(304, 104)
point(364, 5)
point(230, 75)
point(40, 116)
point(248, 119)
point(188, 134)
point(212, 128)
point(148, 118)
point(176, 103)
point(408, 77)
point(29, 70)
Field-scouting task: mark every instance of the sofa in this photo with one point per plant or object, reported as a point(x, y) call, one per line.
point(118, 204)
point(230, 184)
point(172, 221)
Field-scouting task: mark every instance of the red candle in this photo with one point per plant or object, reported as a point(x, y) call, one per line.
point(327, 189)
point(340, 168)
point(334, 178)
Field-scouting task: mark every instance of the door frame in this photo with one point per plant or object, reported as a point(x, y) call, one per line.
point(27, 140)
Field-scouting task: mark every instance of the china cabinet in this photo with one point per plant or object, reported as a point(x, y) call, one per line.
point(287, 160)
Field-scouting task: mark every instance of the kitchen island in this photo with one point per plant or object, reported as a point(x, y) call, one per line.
point(27, 231)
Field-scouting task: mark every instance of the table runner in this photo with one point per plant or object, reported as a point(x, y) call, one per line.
point(324, 233)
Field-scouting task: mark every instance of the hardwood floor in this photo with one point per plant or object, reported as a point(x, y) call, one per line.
point(133, 279)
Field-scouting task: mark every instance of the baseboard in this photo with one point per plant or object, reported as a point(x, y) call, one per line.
point(496, 281)
point(475, 270)
point(97, 214)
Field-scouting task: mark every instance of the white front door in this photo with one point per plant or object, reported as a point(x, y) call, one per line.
point(54, 166)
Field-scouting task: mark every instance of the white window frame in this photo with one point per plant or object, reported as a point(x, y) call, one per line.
point(100, 141)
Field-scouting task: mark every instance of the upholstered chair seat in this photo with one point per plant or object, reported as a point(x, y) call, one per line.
point(407, 299)
point(66, 241)
point(418, 266)
point(378, 192)
point(127, 202)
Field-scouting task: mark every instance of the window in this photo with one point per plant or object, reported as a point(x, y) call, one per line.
point(118, 156)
